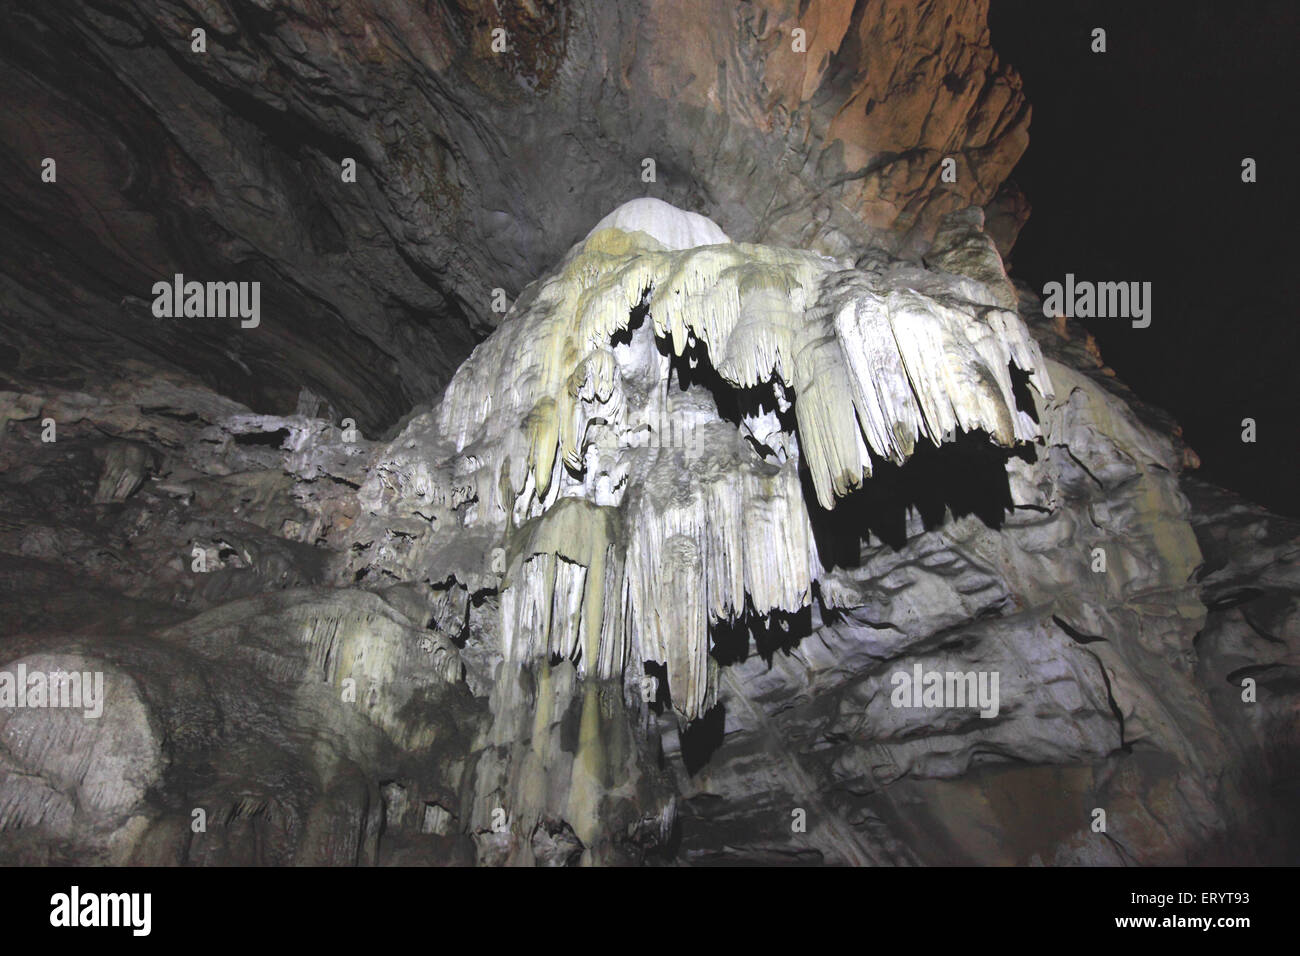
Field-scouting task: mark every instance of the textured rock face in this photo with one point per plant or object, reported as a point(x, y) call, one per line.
point(588, 440)
point(793, 534)
point(446, 697)
point(476, 169)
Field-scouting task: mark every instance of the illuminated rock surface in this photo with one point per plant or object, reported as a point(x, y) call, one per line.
point(633, 518)
point(627, 575)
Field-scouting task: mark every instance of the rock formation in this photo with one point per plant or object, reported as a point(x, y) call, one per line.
point(632, 516)
point(657, 566)
point(475, 169)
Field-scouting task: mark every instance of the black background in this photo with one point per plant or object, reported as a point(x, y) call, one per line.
point(1134, 174)
point(355, 910)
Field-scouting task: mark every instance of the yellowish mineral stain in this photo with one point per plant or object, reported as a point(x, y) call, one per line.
point(870, 368)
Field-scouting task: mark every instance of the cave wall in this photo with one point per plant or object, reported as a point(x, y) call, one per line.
point(287, 652)
point(476, 169)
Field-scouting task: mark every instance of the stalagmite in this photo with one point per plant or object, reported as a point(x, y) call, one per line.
point(589, 432)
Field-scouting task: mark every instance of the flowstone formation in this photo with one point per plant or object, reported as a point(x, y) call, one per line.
point(593, 607)
point(637, 441)
point(636, 582)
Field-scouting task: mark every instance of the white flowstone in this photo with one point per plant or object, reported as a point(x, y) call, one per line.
point(634, 513)
point(674, 228)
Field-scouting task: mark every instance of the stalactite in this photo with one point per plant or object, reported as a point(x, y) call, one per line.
point(681, 537)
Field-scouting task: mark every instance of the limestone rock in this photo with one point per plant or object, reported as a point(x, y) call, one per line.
point(474, 169)
point(635, 568)
point(616, 553)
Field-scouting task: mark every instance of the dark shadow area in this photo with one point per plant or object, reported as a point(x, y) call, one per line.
point(733, 403)
point(702, 737)
point(1074, 633)
point(703, 375)
point(264, 439)
point(663, 699)
point(1235, 598)
point(773, 632)
point(965, 476)
point(1021, 394)
point(636, 318)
